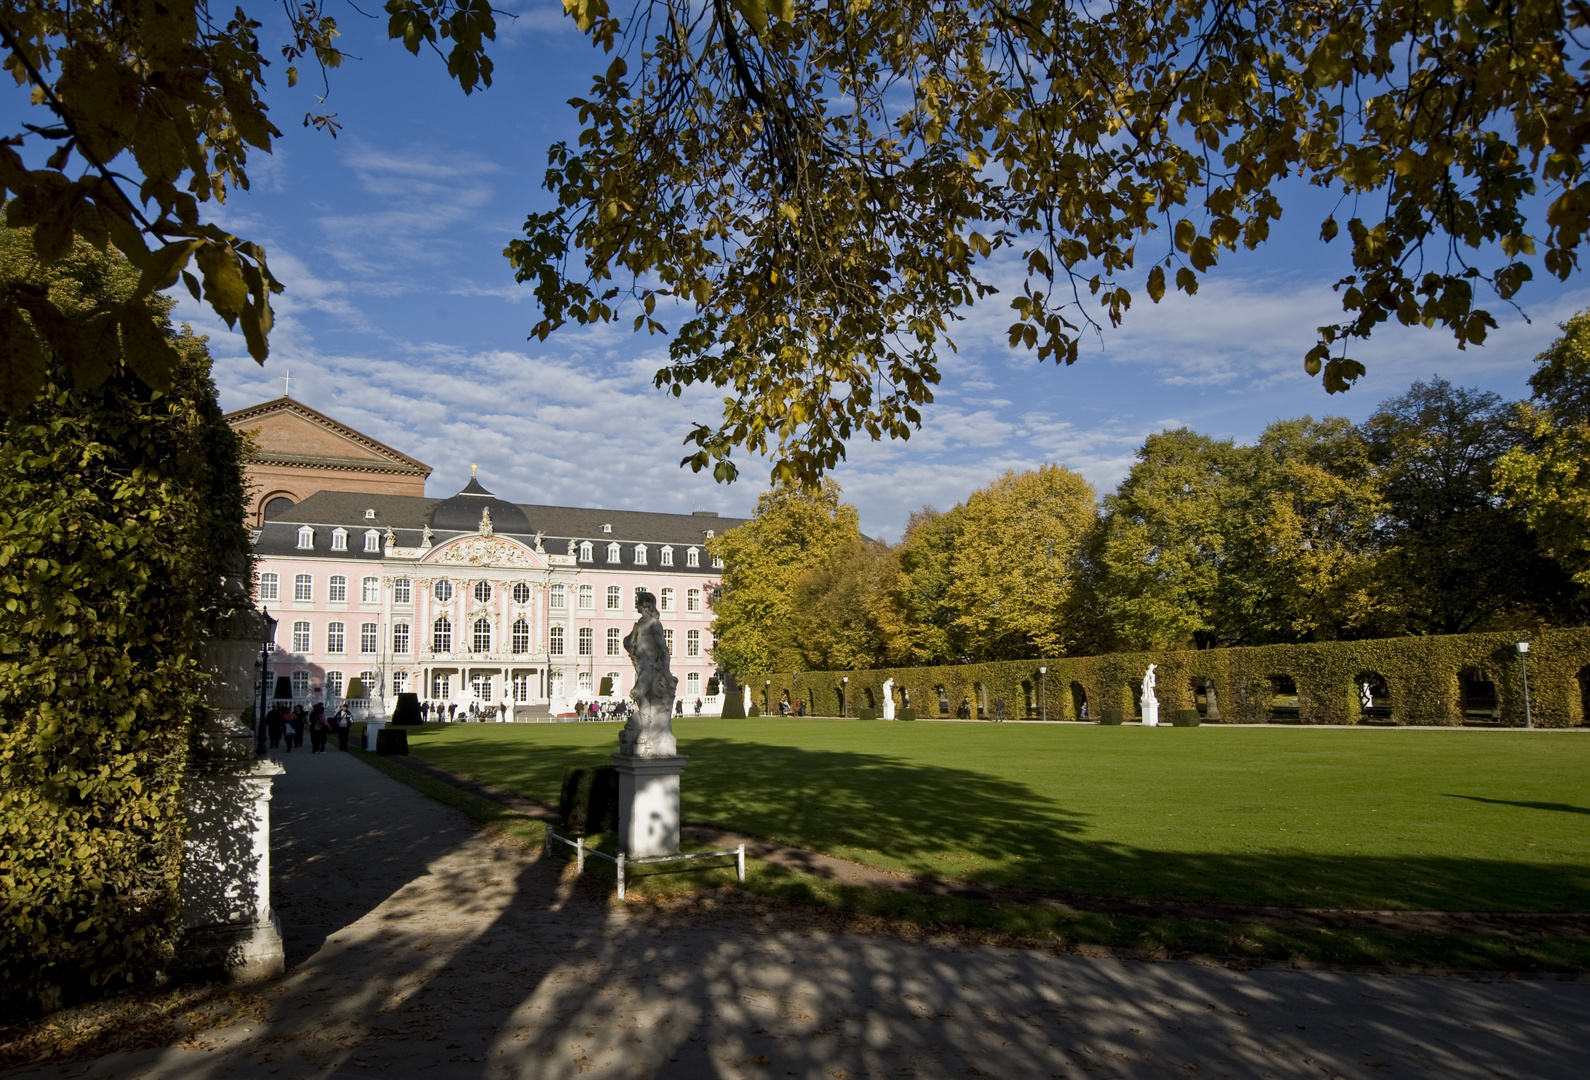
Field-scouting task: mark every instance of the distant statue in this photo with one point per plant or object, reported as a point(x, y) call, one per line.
point(888, 699)
point(1366, 695)
point(649, 731)
point(1150, 702)
point(425, 537)
point(485, 522)
point(539, 535)
point(391, 537)
point(573, 546)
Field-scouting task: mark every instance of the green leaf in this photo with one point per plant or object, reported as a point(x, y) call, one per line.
point(1156, 283)
point(23, 366)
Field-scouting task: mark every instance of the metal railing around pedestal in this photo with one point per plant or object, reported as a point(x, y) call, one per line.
point(620, 861)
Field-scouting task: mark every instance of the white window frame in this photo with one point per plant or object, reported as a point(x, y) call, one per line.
point(443, 591)
point(300, 683)
point(482, 592)
point(586, 641)
point(717, 563)
point(668, 641)
point(613, 643)
point(400, 683)
point(587, 598)
point(692, 557)
point(400, 638)
point(665, 556)
point(520, 638)
point(613, 552)
point(693, 684)
point(339, 539)
point(692, 642)
point(521, 592)
point(369, 638)
point(665, 600)
point(270, 586)
point(306, 538)
point(401, 591)
point(336, 638)
point(337, 589)
point(555, 641)
point(587, 551)
point(442, 634)
point(372, 540)
point(303, 588)
point(615, 598)
point(640, 554)
point(477, 634)
point(521, 688)
point(334, 686)
point(302, 636)
point(441, 686)
point(692, 599)
point(555, 597)
point(584, 682)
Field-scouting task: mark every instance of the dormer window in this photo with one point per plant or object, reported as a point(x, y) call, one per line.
point(587, 551)
point(692, 557)
point(640, 554)
point(612, 553)
point(710, 534)
point(666, 556)
point(339, 539)
point(372, 540)
point(607, 528)
point(369, 515)
point(717, 563)
point(306, 539)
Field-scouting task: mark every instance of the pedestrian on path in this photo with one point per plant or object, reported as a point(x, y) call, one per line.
point(275, 723)
point(295, 728)
point(343, 724)
point(318, 729)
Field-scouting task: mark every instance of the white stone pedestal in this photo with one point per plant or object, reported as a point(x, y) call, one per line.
point(648, 804)
point(371, 728)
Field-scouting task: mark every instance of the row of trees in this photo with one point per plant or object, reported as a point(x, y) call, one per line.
point(1449, 510)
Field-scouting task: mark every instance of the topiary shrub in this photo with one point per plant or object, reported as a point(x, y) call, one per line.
point(756, 710)
point(605, 687)
point(1185, 718)
point(407, 710)
point(1112, 717)
point(905, 714)
point(589, 800)
point(392, 741)
point(734, 705)
point(868, 713)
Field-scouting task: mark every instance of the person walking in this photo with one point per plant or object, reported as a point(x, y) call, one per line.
point(343, 725)
point(274, 724)
point(698, 706)
point(318, 728)
point(295, 728)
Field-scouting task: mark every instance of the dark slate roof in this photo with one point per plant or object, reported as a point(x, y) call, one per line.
point(462, 512)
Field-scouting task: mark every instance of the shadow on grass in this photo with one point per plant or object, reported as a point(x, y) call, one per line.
point(1560, 807)
point(963, 825)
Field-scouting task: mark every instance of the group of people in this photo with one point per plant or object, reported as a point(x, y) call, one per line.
point(474, 712)
point(787, 708)
point(287, 726)
point(604, 710)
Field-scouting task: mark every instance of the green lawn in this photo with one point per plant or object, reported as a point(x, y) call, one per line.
point(1451, 820)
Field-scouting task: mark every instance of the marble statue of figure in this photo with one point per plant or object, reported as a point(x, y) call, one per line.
point(1366, 695)
point(888, 699)
point(573, 546)
point(649, 731)
point(425, 537)
point(485, 522)
point(391, 537)
point(745, 700)
point(1150, 702)
point(539, 535)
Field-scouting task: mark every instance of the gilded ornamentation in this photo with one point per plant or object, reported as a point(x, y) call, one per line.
point(483, 551)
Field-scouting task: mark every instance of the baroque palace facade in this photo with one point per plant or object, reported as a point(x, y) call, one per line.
point(468, 599)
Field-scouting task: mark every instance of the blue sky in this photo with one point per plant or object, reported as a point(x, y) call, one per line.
point(401, 316)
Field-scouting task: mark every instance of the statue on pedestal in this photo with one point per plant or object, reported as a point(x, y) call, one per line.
point(649, 731)
point(888, 699)
point(1150, 702)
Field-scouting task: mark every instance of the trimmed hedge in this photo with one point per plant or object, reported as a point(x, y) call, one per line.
point(868, 713)
point(589, 800)
point(407, 710)
point(756, 710)
point(1185, 718)
point(1112, 718)
point(734, 705)
point(1422, 674)
point(392, 741)
point(905, 714)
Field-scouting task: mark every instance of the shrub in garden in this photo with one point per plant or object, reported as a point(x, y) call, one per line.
point(121, 541)
point(1185, 718)
point(756, 710)
point(407, 710)
point(868, 713)
point(1111, 717)
point(905, 714)
point(392, 741)
point(734, 706)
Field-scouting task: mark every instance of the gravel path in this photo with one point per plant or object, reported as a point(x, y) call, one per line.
point(423, 947)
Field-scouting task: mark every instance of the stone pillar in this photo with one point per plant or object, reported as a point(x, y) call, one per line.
point(229, 929)
point(648, 804)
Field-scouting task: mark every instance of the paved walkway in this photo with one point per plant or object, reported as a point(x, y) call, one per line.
point(423, 948)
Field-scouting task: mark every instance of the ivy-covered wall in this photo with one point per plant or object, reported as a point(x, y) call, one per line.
point(1424, 675)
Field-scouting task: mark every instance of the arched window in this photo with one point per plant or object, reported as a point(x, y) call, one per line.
point(615, 597)
point(300, 637)
point(693, 684)
point(339, 539)
point(521, 688)
point(279, 505)
point(337, 589)
point(586, 640)
point(585, 682)
point(668, 641)
point(587, 597)
point(666, 556)
point(483, 592)
point(306, 538)
point(442, 635)
point(692, 557)
point(303, 587)
point(443, 590)
point(270, 587)
point(640, 554)
point(692, 642)
point(482, 636)
point(300, 684)
point(372, 540)
point(612, 553)
point(692, 599)
point(556, 594)
point(521, 593)
point(613, 681)
point(333, 685)
point(400, 682)
point(400, 637)
point(587, 551)
point(555, 641)
point(521, 636)
point(336, 637)
point(666, 601)
point(400, 590)
point(441, 686)
point(367, 638)
point(370, 590)
point(612, 641)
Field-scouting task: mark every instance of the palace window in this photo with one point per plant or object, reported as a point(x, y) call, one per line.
point(555, 641)
point(521, 636)
point(481, 641)
point(369, 515)
point(585, 682)
point(666, 556)
point(607, 528)
point(300, 684)
point(521, 688)
point(303, 587)
point(336, 635)
point(692, 557)
point(441, 686)
point(370, 590)
point(443, 590)
point(615, 597)
point(587, 597)
point(666, 601)
point(333, 685)
point(270, 587)
point(717, 563)
point(556, 594)
point(668, 641)
point(612, 641)
point(400, 591)
point(337, 589)
point(693, 684)
point(692, 599)
point(483, 592)
point(300, 638)
point(521, 593)
point(306, 539)
point(481, 685)
point(400, 682)
point(368, 641)
point(586, 640)
point(612, 681)
point(692, 642)
point(372, 540)
point(400, 637)
point(372, 683)
point(587, 551)
point(442, 635)
point(612, 553)
point(640, 554)
point(339, 539)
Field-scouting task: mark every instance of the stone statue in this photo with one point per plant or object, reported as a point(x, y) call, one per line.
point(649, 730)
point(745, 700)
point(1366, 695)
point(425, 537)
point(539, 535)
point(1150, 702)
point(391, 537)
point(888, 699)
point(485, 522)
point(573, 546)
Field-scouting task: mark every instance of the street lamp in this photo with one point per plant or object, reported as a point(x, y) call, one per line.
point(844, 694)
point(260, 749)
point(1523, 663)
point(1043, 691)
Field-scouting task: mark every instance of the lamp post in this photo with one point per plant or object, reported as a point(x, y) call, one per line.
point(767, 693)
point(1043, 691)
point(1523, 663)
point(260, 748)
point(844, 703)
